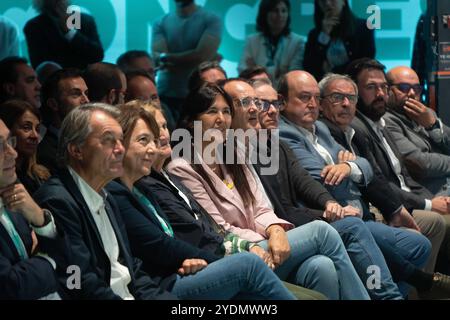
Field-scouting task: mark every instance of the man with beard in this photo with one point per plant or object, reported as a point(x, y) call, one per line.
point(377, 145)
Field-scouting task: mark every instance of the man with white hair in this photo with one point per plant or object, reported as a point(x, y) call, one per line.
point(91, 148)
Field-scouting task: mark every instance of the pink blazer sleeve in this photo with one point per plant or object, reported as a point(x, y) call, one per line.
point(197, 185)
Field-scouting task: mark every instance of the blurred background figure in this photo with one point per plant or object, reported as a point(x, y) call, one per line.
point(46, 69)
point(136, 60)
point(50, 39)
point(201, 33)
point(24, 120)
point(274, 46)
point(208, 71)
point(9, 38)
point(337, 39)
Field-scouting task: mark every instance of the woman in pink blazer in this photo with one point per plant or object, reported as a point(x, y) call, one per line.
point(312, 255)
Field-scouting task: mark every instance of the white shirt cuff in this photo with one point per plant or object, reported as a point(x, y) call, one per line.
point(46, 257)
point(428, 205)
point(70, 35)
point(355, 173)
point(48, 231)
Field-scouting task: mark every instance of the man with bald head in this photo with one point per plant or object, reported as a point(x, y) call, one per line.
point(420, 136)
point(245, 104)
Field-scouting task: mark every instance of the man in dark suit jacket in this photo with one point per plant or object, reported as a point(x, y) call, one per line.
point(50, 39)
point(377, 144)
point(92, 152)
point(23, 273)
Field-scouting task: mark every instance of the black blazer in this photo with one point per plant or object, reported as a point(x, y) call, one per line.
point(193, 225)
point(361, 44)
point(295, 195)
point(62, 197)
point(376, 191)
point(162, 255)
point(47, 43)
point(373, 150)
point(32, 278)
point(47, 150)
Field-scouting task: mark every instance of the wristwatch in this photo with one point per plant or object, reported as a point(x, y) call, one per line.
point(47, 219)
point(434, 126)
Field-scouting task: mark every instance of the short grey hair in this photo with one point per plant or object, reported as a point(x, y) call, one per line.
point(76, 127)
point(332, 77)
point(256, 83)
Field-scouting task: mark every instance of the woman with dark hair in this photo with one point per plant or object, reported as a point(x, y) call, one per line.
point(337, 39)
point(24, 121)
point(312, 256)
point(179, 267)
point(274, 46)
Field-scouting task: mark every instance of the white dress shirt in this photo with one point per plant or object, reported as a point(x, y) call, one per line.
point(395, 162)
point(120, 275)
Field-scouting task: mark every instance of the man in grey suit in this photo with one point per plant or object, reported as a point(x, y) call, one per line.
point(423, 140)
point(420, 136)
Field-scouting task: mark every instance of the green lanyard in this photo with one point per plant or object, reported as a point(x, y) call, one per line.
point(6, 221)
point(143, 199)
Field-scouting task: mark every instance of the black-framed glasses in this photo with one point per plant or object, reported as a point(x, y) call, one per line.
point(248, 101)
point(277, 104)
point(338, 98)
point(375, 87)
point(406, 87)
point(306, 97)
point(11, 141)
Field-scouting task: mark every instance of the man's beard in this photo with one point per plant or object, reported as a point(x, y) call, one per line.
point(370, 111)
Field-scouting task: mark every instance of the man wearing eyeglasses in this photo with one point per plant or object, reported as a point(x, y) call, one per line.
point(420, 136)
point(376, 143)
point(24, 273)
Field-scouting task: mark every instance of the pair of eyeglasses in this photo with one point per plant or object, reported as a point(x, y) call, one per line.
point(306, 97)
point(277, 104)
point(406, 87)
point(248, 101)
point(376, 87)
point(338, 98)
point(11, 141)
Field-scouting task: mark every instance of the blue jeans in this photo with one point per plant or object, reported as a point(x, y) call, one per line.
point(239, 276)
point(404, 250)
point(365, 253)
point(320, 262)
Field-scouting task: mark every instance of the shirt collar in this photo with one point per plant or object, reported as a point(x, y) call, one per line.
point(94, 200)
point(311, 134)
